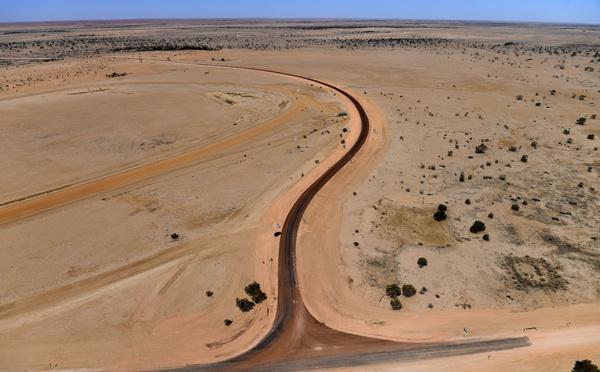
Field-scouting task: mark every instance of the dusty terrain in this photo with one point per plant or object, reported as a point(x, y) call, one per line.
point(99, 282)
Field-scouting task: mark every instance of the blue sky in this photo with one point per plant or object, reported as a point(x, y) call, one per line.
point(577, 11)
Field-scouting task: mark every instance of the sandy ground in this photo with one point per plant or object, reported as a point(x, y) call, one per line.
point(135, 294)
point(219, 229)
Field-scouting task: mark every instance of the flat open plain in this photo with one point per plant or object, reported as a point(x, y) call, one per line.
point(98, 171)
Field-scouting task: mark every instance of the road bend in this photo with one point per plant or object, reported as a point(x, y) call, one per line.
point(297, 341)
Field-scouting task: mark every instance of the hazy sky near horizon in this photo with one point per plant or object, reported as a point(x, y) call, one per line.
point(572, 11)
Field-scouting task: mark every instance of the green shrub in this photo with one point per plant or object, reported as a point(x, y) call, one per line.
point(396, 304)
point(585, 366)
point(524, 158)
point(209, 293)
point(174, 236)
point(486, 237)
point(244, 304)
point(253, 290)
point(468, 201)
point(422, 261)
point(581, 121)
point(477, 227)
point(480, 149)
point(439, 215)
point(393, 291)
point(228, 322)
point(491, 215)
point(462, 177)
point(442, 207)
point(515, 207)
point(590, 136)
point(408, 290)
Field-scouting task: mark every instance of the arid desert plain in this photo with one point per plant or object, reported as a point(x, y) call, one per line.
point(148, 168)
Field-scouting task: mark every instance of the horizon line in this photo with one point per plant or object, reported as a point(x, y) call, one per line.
point(301, 19)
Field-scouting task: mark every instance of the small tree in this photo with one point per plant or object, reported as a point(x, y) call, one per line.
point(581, 121)
point(515, 207)
point(477, 227)
point(442, 207)
point(174, 236)
point(209, 293)
point(422, 261)
point(491, 215)
point(524, 158)
point(486, 237)
point(585, 366)
point(408, 290)
point(396, 304)
point(244, 304)
point(393, 291)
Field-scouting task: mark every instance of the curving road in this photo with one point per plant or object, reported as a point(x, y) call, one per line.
point(297, 340)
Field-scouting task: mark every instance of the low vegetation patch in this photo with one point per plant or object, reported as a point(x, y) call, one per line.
point(530, 272)
point(116, 74)
point(440, 215)
point(393, 290)
point(413, 224)
point(244, 304)
point(478, 226)
point(396, 304)
point(585, 365)
point(408, 290)
point(253, 290)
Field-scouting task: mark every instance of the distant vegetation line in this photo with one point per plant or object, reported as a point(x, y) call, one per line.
point(88, 39)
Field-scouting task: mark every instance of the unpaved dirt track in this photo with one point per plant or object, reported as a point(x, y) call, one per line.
point(50, 199)
point(297, 335)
